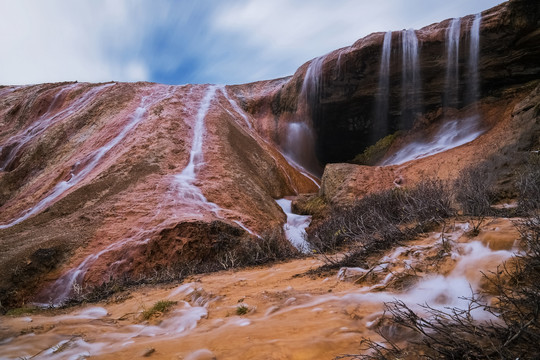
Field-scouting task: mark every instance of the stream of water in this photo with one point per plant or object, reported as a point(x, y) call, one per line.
point(286, 315)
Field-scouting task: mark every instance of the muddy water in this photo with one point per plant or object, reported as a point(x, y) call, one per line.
point(287, 316)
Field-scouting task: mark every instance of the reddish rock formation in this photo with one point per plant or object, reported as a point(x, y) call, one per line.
point(106, 180)
point(98, 169)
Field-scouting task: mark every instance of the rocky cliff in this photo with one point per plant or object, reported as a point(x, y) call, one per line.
point(124, 179)
point(342, 96)
point(104, 181)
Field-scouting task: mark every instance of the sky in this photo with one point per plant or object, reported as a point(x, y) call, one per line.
point(195, 41)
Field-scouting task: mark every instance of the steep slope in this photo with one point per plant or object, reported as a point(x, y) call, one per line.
point(130, 178)
point(108, 181)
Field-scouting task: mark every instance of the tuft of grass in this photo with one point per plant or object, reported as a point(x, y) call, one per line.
point(374, 153)
point(22, 311)
point(242, 309)
point(159, 307)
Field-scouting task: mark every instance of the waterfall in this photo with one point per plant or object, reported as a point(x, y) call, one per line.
point(295, 227)
point(312, 85)
point(411, 86)
point(383, 91)
point(451, 98)
point(454, 132)
point(299, 140)
point(474, 55)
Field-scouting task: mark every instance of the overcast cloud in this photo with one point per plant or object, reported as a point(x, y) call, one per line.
point(204, 41)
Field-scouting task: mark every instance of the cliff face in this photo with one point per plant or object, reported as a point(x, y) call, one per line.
point(101, 181)
point(119, 180)
point(342, 105)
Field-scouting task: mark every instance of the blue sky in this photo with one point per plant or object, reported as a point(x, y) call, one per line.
point(198, 41)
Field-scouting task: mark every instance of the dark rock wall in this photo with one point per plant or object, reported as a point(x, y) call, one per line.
point(343, 111)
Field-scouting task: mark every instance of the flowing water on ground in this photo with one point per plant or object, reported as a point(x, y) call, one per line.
point(274, 312)
point(295, 227)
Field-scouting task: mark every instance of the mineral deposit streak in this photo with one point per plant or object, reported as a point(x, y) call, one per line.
point(83, 168)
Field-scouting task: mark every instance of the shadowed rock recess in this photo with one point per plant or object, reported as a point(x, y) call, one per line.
point(124, 180)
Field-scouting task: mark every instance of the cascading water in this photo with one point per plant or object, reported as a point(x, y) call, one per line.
point(295, 227)
point(187, 190)
point(445, 268)
point(451, 95)
point(312, 84)
point(299, 140)
point(339, 66)
point(411, 87)
point(383, 91)
point(62, 288)
point(474, 56)
point(49, 118)
point(84, 167)
point(235, 106)
point(454, 132)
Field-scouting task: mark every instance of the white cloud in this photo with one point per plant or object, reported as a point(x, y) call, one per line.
point(295, 31)
point(196, 41)
point(57, 40)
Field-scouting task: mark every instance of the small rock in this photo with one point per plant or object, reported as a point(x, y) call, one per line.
point(149, 352)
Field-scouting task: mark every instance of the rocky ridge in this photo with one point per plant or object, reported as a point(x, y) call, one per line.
point(103, 181)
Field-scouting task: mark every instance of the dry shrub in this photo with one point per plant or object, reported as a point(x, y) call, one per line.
point(270, 247)
point(455, 334)
point(473, 191)
point(229, 252)
point(529, 185)
point(382, 220)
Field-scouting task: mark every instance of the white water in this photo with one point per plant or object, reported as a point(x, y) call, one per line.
point(324, 316)
point(436, 290)
point(452, 134)
point(63, 287)
point(411, 87)
point(183, 319)
point(235, 106)
point(299, 140)
point(312, 84)
point(451, 96)
point(383, 92)
point(295, 228)
point(49, 118)
point(187, 190)
point(84, 167)
point(294, 131)
point(339, 66)
point(474, 56)
point(442, 291)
